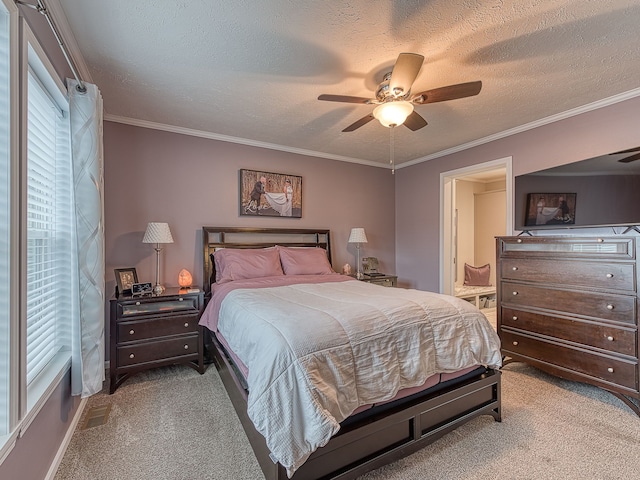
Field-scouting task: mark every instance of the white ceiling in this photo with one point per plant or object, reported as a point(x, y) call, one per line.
point(250, 71)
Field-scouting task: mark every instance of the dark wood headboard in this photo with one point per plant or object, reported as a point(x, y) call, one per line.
point(247, 237)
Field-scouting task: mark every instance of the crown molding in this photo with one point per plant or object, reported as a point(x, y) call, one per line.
point(238, 140)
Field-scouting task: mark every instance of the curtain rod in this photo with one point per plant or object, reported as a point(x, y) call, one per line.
point(41, 8)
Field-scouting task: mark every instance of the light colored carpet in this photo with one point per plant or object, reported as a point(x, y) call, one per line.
point(172, 423)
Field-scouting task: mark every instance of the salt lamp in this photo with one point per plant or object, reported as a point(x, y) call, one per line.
point(184, 278)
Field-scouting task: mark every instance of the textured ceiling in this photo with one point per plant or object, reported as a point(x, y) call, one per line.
point(251, 71)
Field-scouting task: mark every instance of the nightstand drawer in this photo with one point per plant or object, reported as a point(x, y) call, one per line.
point(604, 367)
point(129, 331)
point(385, 282)
point(153, 306)
point(157, 350)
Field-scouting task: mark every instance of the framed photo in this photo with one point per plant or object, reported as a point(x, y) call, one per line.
point(270, 194)
point(125, 278)
point(551, 209)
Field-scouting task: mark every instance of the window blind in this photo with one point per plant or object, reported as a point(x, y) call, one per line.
point(49, 216)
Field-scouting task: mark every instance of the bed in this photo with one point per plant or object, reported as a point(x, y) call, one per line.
point(345, 413)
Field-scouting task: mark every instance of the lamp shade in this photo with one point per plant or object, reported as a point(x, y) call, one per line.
point(357, 236)
point(393, 113)
point(157, 233)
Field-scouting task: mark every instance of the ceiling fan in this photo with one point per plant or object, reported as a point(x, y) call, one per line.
point(630, 158)
point(395, 103)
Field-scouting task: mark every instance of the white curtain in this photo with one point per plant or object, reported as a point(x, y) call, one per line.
point(87, 367)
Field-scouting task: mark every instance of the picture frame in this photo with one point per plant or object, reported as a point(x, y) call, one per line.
point(125, 278)
point(269, 194)
point(550, 209)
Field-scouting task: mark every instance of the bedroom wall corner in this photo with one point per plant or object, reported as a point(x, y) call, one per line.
point(597, 132)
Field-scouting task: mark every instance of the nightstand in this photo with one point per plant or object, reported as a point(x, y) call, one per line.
point(155, 330)
point(384, 280)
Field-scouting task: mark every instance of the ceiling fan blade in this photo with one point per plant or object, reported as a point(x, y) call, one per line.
point(630, 150)
point(359, 123)
point(415, 122)
point(450, 92)
point(344, 98)
point(404, 73)
point(632, 158)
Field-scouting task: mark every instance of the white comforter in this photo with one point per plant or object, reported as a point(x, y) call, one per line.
point(315, 352)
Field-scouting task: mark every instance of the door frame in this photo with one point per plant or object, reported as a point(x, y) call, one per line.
point(448, 213)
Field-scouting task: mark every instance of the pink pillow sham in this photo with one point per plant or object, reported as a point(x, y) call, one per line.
point(477, 276)
point(305, 261)
point(240, 263)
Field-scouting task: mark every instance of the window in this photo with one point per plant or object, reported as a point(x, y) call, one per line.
point(50, 256)
point(38, 272)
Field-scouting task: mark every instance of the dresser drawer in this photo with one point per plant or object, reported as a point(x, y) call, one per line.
point(609, 369)
point(606, 306)
point(157, 350)
point(608, 276)
point(567, 247)
point(598, 335)
point(129, 331)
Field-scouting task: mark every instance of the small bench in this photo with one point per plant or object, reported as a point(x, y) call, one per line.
point(481, 297)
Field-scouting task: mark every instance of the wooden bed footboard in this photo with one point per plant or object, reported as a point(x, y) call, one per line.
point(379, 440)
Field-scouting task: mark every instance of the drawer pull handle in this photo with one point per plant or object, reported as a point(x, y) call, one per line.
point(515, 293)
point(609, 275)
point(514, 318)
point(180, 299)
point(514, 268)
point(610, 338)
point(515, 343)
point(137, 303)
point(186, 347)
point(519, 240)
point(609, 306)
point(186, 324)
point(132, 356)
point(600, 240)
point(131, 332)
point(610, 370)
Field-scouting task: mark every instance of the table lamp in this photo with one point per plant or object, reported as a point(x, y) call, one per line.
point(157, 233)
point(358, 237)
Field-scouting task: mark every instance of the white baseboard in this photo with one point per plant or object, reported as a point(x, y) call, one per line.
point(65, 442)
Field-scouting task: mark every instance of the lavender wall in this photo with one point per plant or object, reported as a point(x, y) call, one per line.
point(189, 182)
point(35, 451)
point(418, 207)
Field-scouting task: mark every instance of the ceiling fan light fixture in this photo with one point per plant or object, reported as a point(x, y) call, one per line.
point(393, 113)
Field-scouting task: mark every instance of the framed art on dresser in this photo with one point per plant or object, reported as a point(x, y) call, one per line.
point(270, 194)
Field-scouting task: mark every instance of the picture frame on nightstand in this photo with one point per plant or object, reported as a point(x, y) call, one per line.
point(125, 278)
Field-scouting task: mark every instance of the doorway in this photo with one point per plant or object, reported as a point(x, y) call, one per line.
point(458, 227)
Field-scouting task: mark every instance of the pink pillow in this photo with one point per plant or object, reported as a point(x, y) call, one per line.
point(305, 261)
point(244, 263)
point(477, 276)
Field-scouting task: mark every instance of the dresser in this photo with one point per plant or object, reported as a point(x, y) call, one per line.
point(569, 306)
point(155, 330)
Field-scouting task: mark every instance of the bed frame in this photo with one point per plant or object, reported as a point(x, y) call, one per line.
point(376, 439)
